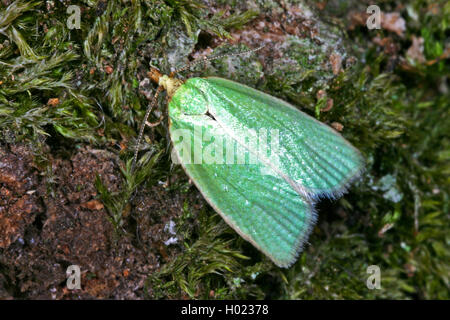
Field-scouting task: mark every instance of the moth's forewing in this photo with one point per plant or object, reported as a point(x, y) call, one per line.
point(312, 154)
point(224, 136)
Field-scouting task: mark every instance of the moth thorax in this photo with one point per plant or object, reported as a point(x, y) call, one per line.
point(170, 84)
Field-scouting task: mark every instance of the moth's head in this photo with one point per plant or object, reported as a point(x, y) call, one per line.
point(154, 75)
point(168, 82)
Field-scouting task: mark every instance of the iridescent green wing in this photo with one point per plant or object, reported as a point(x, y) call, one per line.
point(264, 209)
point(258, 195)
point(315, 156)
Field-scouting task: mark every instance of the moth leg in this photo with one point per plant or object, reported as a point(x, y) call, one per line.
point(155, 124)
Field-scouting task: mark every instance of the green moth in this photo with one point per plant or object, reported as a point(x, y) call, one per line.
point(257, 160)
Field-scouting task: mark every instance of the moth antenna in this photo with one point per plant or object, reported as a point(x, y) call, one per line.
point(205, 59)
point(144, 121)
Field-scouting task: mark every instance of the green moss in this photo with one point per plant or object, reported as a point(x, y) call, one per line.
point(210, 267)
point(118, 203)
